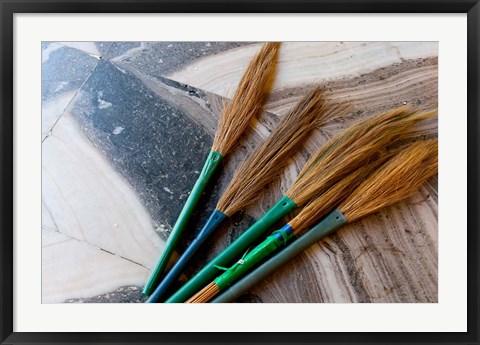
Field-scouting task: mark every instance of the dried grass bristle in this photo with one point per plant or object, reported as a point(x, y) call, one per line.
point(248, 99)
point(328, 201)
point(395, 180)
point(267, 162)
point(346, 152)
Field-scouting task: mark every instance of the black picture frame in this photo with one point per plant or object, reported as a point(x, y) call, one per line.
point(9, 7)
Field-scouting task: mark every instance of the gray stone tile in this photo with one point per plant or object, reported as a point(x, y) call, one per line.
point(103, 47)
point(152, 143)
point(117, 49)
point(63, 69)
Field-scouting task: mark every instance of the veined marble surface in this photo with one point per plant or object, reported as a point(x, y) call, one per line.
point(302, 63)
point(125, 129)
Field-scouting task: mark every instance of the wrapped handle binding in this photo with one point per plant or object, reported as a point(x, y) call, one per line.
point(272, 243)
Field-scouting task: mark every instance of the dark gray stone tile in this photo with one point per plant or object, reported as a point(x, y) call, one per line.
point(152, 143)
point(117, 49)
point(63, 69)
point(103, 47)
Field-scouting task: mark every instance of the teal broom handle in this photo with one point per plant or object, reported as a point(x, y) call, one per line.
point(283, 207)
point(327, 226)
point(211, 165)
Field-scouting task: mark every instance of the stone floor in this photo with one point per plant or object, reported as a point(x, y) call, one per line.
point(126, 127)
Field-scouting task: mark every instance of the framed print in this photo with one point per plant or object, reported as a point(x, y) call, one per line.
point(307, 173)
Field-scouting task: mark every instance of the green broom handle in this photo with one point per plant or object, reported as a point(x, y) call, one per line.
point(211, 165)
point(283, 207)
point(327, 226)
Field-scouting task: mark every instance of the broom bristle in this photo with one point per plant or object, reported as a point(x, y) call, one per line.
point(266, 163)
point(248, 100)
point(346, 152)
point(395, 180)
point(328, 201)
point(206, 294)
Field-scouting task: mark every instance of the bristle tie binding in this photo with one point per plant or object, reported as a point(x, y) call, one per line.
point(239, 262)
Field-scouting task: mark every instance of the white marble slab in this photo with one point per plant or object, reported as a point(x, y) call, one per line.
point(301, 63)
point(72, 268)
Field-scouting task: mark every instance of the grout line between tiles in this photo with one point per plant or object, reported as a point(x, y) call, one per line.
point(97, 247)
point(51, 216)
point(104, 56)
point(70, 102)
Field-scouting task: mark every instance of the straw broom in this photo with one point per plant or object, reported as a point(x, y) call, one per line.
point(394, 181)
point(247, 102)
point(342, 155)
point(259, 169)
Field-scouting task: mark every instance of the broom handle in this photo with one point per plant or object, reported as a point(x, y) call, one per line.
point(328, 225)
point(283, 207)
point(172, 276)
point(211, 165)
point(249, 260)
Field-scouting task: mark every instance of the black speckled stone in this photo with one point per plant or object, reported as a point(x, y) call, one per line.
point(151, 143)
point(159, 58)
point(66, 69)
point(103, 47)
point(117, 49)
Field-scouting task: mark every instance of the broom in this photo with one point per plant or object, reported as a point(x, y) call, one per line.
point(259, 169)
point(247, 101)
point(342, 155)
point(392, 182)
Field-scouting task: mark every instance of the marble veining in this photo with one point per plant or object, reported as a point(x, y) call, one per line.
point(302, 62)
point(71, 267)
